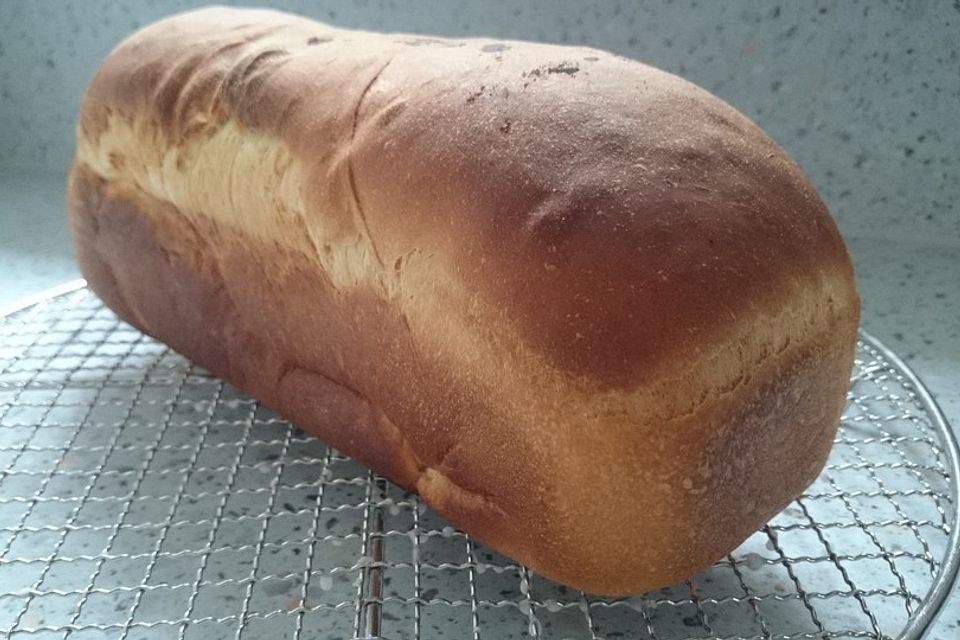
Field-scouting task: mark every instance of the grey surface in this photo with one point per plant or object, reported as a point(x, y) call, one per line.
point(34, 239)
point(141, 497)
point(865, 96)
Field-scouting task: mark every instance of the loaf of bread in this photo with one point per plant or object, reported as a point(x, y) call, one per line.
point(590, 313)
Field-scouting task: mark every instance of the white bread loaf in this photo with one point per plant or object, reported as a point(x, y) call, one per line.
point(588, 311)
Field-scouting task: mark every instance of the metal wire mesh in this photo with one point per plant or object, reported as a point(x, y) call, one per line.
point(142, 498)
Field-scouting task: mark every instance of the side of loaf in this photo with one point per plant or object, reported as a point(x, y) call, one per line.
point(582, 307)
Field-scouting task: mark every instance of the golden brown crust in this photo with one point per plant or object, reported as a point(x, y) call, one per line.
point(572, 300)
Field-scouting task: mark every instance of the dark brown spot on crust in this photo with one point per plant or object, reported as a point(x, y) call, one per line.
point(318, 40)
point(568, 68)
point(476, 94)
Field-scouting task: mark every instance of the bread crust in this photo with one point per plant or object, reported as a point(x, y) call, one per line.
point(584, 308)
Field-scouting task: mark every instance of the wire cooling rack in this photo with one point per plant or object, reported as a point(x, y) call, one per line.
point(142, 498)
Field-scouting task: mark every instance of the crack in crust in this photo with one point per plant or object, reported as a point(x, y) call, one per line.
point(349, 160)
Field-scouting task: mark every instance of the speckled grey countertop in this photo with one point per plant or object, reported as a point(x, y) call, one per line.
point(864, 95)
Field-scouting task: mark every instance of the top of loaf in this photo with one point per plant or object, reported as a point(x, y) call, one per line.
point(620, 219)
